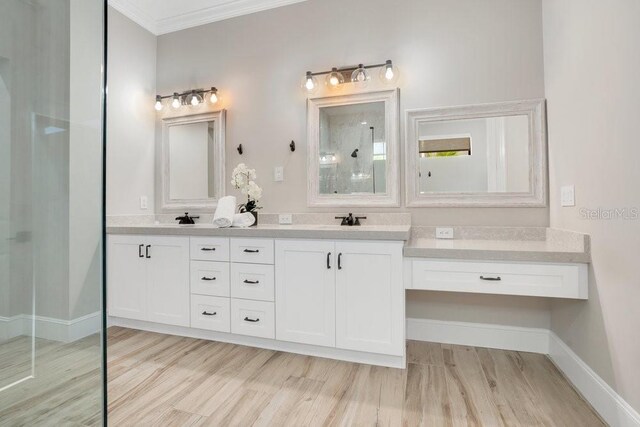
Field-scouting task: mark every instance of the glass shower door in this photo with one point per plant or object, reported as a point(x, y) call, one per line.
point(51, 214)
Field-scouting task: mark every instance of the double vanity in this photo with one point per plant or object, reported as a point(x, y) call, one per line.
point(319, 289)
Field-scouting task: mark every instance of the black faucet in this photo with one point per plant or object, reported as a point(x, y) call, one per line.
point(186, 219)
point(350, 220)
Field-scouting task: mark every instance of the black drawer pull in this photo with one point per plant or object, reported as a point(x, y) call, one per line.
point(246, 319)
point(491, 279)
point(329, 261)
point(207, 279)
point(252, 251)
point(205, 313)
point(140, 251)
point(207, 249)
point(146, 251)
point(340, 261)
point(251, 282)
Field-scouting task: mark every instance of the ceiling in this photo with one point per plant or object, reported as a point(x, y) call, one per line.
point(166, 16)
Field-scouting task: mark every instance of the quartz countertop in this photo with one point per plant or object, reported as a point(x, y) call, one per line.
point(498, 250)
point(296, 231)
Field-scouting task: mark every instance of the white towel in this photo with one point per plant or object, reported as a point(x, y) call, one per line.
point(243, 220)
point(225, 211)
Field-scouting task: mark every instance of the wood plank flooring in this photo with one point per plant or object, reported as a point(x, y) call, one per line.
point(162, 380)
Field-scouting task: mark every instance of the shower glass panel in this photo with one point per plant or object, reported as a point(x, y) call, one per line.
point(51, 213)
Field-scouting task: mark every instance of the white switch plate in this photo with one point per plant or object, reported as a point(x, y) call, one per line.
point(285, 219)
point(144, 202)
point(278, 174)
point(444, 233)
point(568, 195)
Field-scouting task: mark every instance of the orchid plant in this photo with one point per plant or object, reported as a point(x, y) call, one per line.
point(243, 179)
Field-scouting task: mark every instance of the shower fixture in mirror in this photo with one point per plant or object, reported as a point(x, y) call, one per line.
point(193, 161)
point(488, 155)
point(353, 150)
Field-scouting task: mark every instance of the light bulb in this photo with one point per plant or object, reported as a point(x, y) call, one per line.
point(158, 105)
point(175, 104)
point(213, 98)
point(334, 78)
point(389, 73)
point(360, 76)
point(194, 101)
point(194, 98)
point(310, 84)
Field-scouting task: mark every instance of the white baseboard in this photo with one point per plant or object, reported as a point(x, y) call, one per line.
point(532, 340)
point(609, 404)
point(50, 328)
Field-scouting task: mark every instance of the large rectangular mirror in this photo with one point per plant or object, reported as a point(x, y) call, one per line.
point(484, 155)
point(193, 161)
point(353, 150)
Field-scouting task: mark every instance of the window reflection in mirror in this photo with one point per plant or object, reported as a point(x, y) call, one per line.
point(353, 150)
point(480, 155)
point(192, 161)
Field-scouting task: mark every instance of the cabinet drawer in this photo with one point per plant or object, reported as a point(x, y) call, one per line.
point(212, 313)
point(255, 318)
point(252, 281)
point(254, 251)
point(210, 248)
point(542, 280)
point(210, 278)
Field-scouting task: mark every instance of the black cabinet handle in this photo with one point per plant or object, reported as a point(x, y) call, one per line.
point(207, 249)
point(246, 319)
point(146, 251)
point(252, 251)
point(206, 279)
point(140, 251)
point(251, 282)
point(204, 313)
point(340, 261)
point(491, 279)
point(329, 261)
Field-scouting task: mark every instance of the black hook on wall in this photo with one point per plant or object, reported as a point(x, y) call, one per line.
point(240, 150)
point(292, 146)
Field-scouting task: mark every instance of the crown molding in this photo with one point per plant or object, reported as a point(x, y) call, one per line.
point(163, 25)
point(131, 10)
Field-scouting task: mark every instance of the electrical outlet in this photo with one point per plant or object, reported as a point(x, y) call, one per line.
point(144, 202)
point(278, 174)
point(285, 219)
point(568, 195)
point(444, 233)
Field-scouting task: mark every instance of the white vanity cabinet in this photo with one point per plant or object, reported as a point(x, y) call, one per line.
point(148, 278)
point(343, 294)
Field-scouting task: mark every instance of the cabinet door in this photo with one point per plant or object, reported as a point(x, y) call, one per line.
point(168, 280)
point(126, 277)
point(370, 297)
point(305, 291)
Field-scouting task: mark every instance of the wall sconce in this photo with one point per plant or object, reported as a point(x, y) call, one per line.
point(358, 75)
point(192, 98)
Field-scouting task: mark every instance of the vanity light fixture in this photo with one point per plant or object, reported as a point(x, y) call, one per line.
point(191, 98)
point(358, 75)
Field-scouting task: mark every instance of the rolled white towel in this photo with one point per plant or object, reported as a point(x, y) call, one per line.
point(225, 211)
point(245, 219)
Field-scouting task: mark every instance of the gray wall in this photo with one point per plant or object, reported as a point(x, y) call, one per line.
point(449, 53)
point(592, 64)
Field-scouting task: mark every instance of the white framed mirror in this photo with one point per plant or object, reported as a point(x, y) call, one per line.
point(488, 155)
point(353, 150)
point(193, 161)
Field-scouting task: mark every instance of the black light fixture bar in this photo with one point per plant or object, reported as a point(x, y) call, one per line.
point(188, 92)
point(351, 68)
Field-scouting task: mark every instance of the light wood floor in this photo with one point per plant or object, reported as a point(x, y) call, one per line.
point(162, 380)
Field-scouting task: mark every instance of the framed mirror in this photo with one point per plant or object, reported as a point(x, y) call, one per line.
point(491, 155)
point(353, 150)
point(193, 161)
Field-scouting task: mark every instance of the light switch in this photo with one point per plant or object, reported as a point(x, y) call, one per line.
point(568, 195)
point(278, 174)
point(144, 202)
